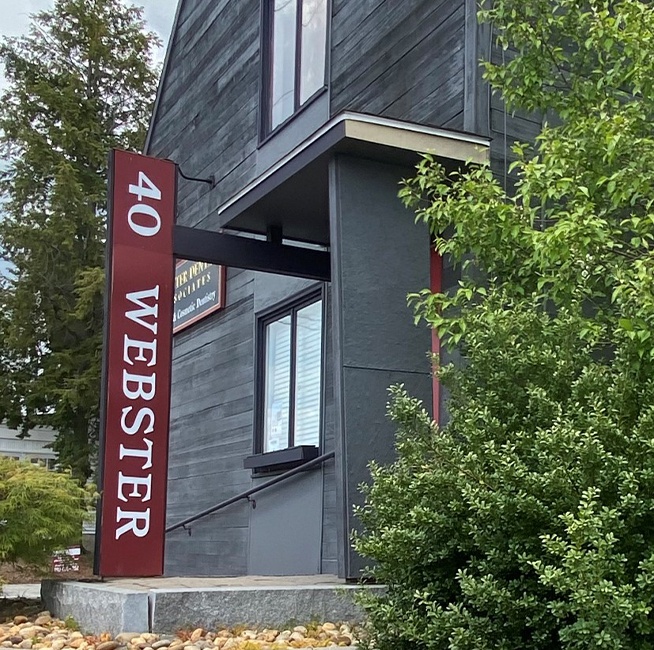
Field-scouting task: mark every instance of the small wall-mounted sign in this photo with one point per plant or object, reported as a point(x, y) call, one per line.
point(199, 291)
point(66, 560)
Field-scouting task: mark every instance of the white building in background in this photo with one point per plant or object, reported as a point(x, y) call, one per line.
point(33, 448)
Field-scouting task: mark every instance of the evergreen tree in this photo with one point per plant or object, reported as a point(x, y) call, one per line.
point(81, 82)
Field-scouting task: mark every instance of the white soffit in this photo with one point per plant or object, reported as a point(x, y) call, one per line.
point(400, 135)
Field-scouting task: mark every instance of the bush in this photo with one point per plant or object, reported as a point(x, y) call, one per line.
point(40, 511)
point(528, 521)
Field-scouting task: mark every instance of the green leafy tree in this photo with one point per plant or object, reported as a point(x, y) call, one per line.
point(80, 83)
point(528, 520)
point(40, 511)
point(578, 229)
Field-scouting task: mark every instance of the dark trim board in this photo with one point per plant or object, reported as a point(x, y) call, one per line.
point(252, 254)
point(282, 458)
point(476, 91)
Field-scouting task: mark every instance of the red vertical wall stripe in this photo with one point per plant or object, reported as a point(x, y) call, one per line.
point(435, 284)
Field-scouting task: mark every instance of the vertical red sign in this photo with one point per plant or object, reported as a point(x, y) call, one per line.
point(137, 362)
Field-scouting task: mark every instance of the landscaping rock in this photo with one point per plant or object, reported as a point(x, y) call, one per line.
point(107, 645)
point(43, 632)
point(157, 645)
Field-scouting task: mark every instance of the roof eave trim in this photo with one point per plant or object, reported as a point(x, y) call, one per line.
point(479, 144)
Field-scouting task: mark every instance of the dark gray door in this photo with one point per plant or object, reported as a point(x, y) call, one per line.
point(286, 527)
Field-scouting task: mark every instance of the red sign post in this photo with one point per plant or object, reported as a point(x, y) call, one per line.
point(137, 362)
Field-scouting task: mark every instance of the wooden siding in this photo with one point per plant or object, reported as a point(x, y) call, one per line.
point(207, 122)
point(403, 60)
point(211, 434)
point(208, 106)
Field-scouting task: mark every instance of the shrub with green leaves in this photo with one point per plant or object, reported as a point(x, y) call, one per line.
point(40, 511)
point(528, 521)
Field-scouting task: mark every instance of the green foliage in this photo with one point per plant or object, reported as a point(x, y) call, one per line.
point(71, 624)
point(80, 83)
point(40, 511)
point(578, 230)
point(528, 520)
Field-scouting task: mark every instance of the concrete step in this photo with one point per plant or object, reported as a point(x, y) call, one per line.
point(26, 591)
point(165, 605)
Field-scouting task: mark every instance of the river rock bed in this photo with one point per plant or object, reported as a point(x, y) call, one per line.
point(43, 632)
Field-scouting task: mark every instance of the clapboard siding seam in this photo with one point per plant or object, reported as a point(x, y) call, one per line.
point(455, 47)
point(380, 61)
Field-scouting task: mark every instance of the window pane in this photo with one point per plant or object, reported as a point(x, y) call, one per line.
point(283, 61)
point(314, 40)
point(277, 384)
point(308, 368)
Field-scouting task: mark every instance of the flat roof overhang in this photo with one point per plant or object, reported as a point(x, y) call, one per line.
point(293, 194)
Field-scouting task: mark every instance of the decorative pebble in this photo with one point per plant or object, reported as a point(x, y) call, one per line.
point(44, 632)
point(196, 635)
point(126, 637)
point(107, 645)
point(43, 619)
point(230, 643)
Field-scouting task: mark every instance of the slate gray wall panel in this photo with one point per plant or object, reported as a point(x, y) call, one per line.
point(271, 289)
point(369, 434)
point(378, 256)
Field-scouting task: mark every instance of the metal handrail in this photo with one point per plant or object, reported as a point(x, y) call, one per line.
point(248, 493)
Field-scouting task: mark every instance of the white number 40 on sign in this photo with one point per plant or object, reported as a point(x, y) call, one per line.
point(149, 223)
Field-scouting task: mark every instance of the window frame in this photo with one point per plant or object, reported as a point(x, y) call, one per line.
point(290, 306)
point(266, 130)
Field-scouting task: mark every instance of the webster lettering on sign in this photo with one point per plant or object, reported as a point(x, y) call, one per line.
point(199, 292)
point(137, 366)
